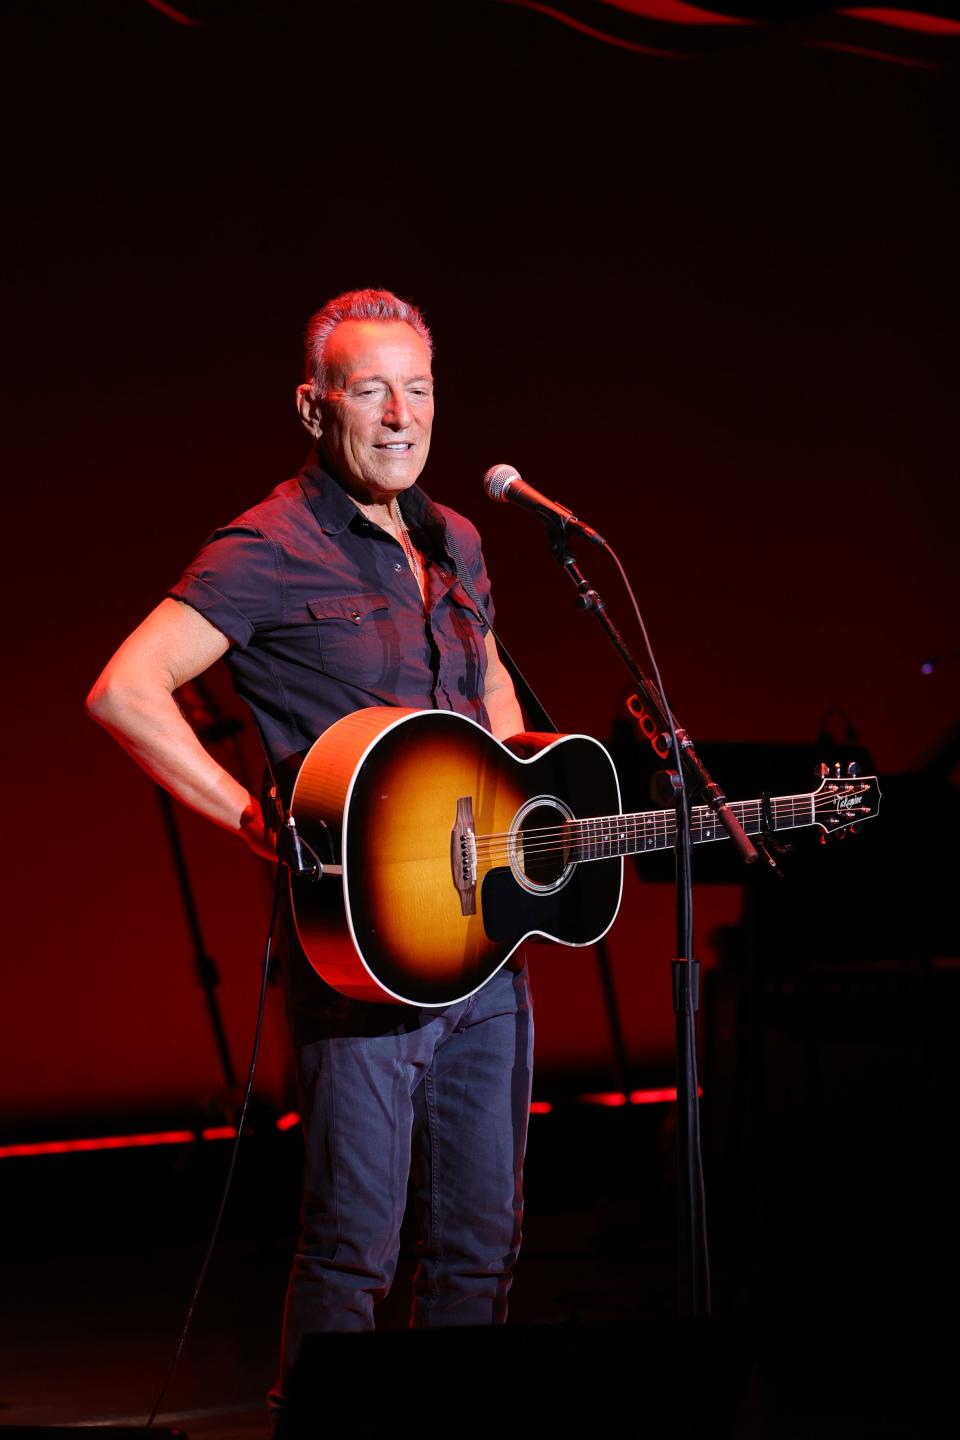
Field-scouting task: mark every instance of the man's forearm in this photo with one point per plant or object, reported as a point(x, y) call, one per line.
point(148, 724)
point(499, 696)
point(503, 712)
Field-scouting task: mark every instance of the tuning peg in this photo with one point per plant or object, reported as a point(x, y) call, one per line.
point(836, 769)
point(853, 769)
point(821, 771)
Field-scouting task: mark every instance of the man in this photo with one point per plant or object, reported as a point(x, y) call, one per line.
point(340, 591)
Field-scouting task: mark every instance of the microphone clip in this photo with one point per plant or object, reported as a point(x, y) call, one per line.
point(772, 849)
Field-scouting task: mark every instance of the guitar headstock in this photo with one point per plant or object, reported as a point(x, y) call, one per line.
point(844, 800)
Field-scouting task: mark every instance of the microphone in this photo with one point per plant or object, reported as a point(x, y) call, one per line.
point(502, 482)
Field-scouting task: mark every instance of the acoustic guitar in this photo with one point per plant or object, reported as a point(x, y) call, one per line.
point(448, 849)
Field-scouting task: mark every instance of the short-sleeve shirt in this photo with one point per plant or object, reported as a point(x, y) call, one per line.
point(324, 615)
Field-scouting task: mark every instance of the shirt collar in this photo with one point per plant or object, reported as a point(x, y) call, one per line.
point(335, 510)
point(329, 501)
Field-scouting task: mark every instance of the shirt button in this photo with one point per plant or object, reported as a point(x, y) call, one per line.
point(397, 565)
point(355, 616)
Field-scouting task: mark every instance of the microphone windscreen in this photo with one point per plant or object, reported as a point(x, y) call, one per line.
point(496, 480)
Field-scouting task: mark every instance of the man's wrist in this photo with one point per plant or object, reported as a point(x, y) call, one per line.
point(254, 831)
point(251, 817)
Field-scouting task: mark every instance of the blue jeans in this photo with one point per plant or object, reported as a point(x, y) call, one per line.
point(436, 1098)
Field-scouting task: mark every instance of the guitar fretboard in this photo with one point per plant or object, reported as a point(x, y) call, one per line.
point(608, 835)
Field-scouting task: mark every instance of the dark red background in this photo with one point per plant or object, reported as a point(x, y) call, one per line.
point(710, 305)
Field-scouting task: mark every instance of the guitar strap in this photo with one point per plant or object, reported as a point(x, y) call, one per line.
point(528, 699)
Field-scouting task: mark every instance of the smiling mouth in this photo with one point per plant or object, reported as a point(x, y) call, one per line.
point(396, 447)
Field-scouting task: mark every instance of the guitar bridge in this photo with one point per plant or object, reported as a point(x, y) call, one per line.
point(463, 856)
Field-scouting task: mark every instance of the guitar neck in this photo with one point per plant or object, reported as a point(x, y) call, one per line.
point(608, 835)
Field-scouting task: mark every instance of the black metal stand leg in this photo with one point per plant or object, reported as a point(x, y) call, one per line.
point(207, 976)
point(620, 1063)
point(694, 1269)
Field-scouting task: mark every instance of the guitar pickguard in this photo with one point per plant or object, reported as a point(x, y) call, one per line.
point(572, 914)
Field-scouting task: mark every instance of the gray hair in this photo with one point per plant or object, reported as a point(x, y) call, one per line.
point(380, 305)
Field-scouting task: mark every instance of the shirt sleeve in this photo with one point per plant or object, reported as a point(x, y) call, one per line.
point(234, 583)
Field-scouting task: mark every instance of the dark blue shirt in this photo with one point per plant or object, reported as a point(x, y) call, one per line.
point(324, 615)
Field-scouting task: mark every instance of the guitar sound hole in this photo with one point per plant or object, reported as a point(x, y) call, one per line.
point(541, 850)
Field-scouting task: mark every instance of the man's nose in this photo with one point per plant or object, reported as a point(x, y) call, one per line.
point(397, 413)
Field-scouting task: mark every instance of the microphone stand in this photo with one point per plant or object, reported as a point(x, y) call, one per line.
point(677, 787)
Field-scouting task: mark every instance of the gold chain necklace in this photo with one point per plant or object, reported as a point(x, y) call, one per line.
point(411, 552)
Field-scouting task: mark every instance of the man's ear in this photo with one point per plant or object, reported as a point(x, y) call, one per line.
point(310, 407)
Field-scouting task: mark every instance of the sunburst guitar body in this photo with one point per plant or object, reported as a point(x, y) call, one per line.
point(428, 814)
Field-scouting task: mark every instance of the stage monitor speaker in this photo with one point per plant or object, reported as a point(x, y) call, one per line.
point(656, 1380)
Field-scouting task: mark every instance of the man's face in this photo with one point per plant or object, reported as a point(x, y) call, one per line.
point(377, 414)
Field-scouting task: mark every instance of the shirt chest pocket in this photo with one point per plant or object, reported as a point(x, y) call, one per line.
point(358, 639)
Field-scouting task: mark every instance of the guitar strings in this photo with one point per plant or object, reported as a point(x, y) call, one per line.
point(583, 844)
point(576, 852)
point(584, 848)
point(662, 820)
point(778, 803)
point(578, 836)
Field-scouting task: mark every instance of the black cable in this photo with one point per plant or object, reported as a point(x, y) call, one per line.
point(208, 1256)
